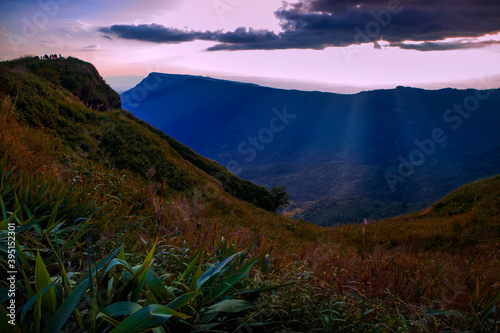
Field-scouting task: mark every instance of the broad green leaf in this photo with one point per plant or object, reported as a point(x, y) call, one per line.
point(42, 279)
point(156, 286)
point(118, 263)
point(213, 271)
point(110, 320)
point(135, 282)
point(180, 301)
point(230, 305)
point(38, 312)
point(59, 318)
point(222, 288)
point(149, 317)
point(120, 309)
point(486, 311)
point(27, 282)
point(193, 262)
point(136, 292)
point(231, 280)
point(33, 299)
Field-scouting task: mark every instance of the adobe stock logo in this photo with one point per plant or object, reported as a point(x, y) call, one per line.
point(140, 92)
point(32, 25)
point(221, 7)
point(425, 148)
point(250, 148)
point(372, 31)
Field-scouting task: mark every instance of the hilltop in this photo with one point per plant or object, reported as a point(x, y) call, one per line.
point(342, 158)
point(76, 76)
point(116, 137)
point(121, 227)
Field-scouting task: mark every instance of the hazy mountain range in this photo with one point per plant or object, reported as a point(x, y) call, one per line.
point(342, 158)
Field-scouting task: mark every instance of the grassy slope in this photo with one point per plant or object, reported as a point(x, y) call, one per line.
point(130, 143)
point(398, 267)
point(467, 218)
point(240, 188)
point(117, 140)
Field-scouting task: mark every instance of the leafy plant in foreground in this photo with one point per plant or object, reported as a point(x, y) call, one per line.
point(61, 293)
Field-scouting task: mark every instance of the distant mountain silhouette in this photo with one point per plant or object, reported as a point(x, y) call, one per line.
point(341, 158)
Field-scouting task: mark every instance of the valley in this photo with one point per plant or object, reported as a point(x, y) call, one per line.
point(394, 150)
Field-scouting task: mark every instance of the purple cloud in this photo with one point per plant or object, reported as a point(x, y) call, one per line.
point(317, 24)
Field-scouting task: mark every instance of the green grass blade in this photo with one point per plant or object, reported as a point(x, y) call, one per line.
point(42, 279)
point(486, 311)
point(194, 280)
point(4, 211)
point(193, 262)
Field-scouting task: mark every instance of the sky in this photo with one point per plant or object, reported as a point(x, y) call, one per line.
point(327, 45)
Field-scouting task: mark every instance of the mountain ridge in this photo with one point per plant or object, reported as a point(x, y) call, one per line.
point(209, 78)
point(369, 132)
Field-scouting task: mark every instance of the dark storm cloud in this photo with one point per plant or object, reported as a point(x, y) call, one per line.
point(418, 20)
point(160, 34)
point(437, 46)
point(317, 24)
point(154, 33)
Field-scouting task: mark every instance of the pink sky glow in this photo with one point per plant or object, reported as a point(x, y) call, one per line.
point(72, 29)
